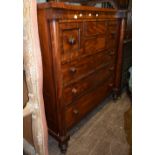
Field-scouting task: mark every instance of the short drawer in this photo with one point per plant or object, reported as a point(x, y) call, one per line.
point(73, 91)
point(94, 27)
point(70, 44)
point(90, 28)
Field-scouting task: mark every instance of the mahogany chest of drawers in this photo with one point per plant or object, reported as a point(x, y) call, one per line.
point(81, 52)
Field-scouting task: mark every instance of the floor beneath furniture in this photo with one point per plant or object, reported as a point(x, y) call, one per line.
point(105, 131)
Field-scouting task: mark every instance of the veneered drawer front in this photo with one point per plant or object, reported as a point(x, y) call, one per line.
point(78, 88)
point(80, 68)
point(70, 116)
point(70, 44)
point(75, 69)
point(86, 103)
point(101, 27)
point(95, 44)
point(94, 27)
point(100, 43)
point(104, 58)
point(90, 28)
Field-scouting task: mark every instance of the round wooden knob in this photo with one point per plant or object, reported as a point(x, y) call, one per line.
point(75, 111)
point(110, 84)
point(111, 69)
point(74, 90)
point(72, 69)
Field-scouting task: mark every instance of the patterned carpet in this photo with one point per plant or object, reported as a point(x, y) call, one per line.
point(102, 132)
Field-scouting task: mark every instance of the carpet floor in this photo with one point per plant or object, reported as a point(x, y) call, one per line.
point(105, 131)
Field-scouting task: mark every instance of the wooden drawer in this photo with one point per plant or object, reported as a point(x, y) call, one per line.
point(78, 88)
point(81, 68)
point(86, 103)
point(94, 27)
point(70, 113)
point(101, 27)
point(70, 44)
point(75, 69)
point(90, 28)
point(103, 57)
point(95, 44)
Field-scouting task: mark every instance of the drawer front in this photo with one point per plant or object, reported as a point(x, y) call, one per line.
point(80, 68)
point(90, 28)
point(94, 27)
point(107, 56)
point(75, 69)
point(101, 27)
point(95, 44)
point(81, 87)
point(70, 44)
point(86, 103)
point(70, 114)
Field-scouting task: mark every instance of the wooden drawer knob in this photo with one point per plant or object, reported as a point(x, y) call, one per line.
point(75, 111)
point(72, 69)
point(71, 40)
point(110, 85)
point(74, 90)
point(111, 69)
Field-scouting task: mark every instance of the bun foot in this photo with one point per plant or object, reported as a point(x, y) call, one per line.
point(63, 147)
point(116, 94)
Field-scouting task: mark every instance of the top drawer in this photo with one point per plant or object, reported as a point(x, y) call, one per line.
point(94, 28)
point(70, 40)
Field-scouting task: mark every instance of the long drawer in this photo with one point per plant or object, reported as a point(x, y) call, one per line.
point(73, 91)
point(75, 70)
point(83, 105)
